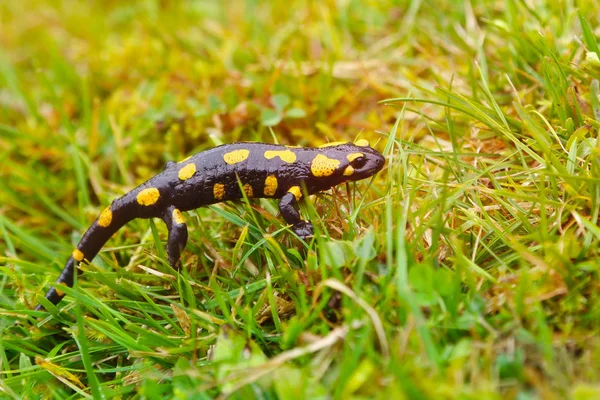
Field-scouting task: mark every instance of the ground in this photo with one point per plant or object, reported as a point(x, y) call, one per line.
point(468, 268)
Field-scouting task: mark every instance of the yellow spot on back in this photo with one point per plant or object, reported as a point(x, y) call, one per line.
point(105, 217)
point(185, 159)
point(293, 146)
point(248, 190)
point(323, 166)
point(286, 155)
point(349, 170)
point(219, 191)
point(362, 143)
point(353, 156)
point(59, 292)
point(177, 217)
point(270, 185)
point(236, 156)
point(187, 172)
point(147, 197)
point(78, 255)
point(296, 191)
point(331, 144)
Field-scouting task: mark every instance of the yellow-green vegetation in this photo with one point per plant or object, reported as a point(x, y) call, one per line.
point(469, 268)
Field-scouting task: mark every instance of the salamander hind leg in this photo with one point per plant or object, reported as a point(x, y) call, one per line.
point(303, 229)
point(178, 235)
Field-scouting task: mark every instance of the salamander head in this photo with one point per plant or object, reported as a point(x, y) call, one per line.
point(342, 162)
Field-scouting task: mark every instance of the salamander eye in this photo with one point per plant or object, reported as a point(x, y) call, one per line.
point(358, 162)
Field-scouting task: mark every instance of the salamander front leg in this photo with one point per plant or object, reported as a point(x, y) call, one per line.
point(178, 235)
point(287, 207)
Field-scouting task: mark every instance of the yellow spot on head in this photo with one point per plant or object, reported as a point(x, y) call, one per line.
point(362, 143)
point(147, 197)
point(349, 170)
point(187, 172)
point(296, 191)
point(323, 166)
point(248, 190)
point(77, 255)
point(105, 218)
point(353, 156)
point(286, 155)
point(270, 185)
point(219, 191)
point(331, 144)
point(236, 156)
point(177, 217)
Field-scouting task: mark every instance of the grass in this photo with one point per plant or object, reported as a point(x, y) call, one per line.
point(469, 268)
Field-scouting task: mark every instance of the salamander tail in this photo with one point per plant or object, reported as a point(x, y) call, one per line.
point(107, 223)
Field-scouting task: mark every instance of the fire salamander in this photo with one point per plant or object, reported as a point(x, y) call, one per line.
point(224, 173)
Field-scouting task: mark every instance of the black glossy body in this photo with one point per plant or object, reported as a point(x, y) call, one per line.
point(220, 174)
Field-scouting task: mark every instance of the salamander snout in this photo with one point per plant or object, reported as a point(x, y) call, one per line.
point(363, 162)
point(378, 161)
point(374, 163)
